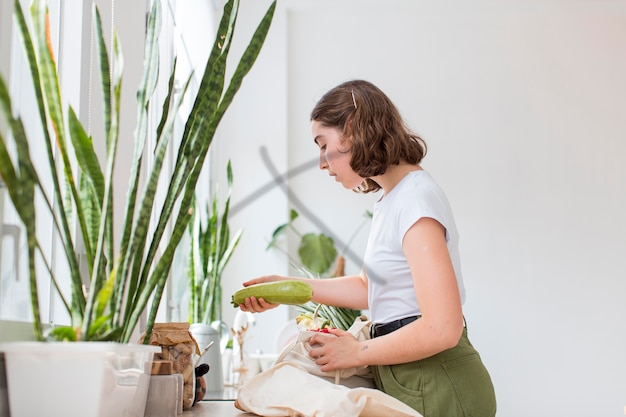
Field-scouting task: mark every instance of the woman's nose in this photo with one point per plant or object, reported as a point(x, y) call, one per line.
point(323, 162)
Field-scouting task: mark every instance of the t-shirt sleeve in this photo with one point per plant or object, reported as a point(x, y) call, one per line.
point(427, 204)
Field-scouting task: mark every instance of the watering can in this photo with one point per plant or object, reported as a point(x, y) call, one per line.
point(214, 336)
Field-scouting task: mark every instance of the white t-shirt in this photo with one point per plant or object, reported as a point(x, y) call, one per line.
point(390, 285)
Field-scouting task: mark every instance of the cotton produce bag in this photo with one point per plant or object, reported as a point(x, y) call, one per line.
point(296, 386)
point(298, 352)
point(287, 389)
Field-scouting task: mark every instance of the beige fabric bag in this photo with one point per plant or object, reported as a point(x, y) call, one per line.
point(287, 389)
point(295, 386)
point(298, 352)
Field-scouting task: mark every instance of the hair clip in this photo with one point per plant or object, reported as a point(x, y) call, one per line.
point(353, 100)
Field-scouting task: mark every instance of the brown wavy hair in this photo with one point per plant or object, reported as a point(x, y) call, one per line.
point(372, 128)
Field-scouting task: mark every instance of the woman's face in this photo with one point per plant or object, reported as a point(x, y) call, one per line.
point(334, 157)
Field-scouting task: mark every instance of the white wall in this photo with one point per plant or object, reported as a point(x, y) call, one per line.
point(523, 106)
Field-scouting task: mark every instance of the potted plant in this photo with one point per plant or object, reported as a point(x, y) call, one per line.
point(317, 253)
point(211, 249)
point(122, 283)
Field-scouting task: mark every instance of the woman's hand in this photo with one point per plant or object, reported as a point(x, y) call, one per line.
point(336, 349)
point(259, 305)
point(256, 305)
point(265, 278)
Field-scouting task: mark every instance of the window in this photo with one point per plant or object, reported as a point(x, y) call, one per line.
point(74, 56)
point(186, 28)
point(14, 284)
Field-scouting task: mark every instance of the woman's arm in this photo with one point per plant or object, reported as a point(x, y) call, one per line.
point(348, 291)
point(436, 289)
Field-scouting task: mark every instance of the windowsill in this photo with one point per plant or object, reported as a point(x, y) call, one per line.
point(16, 331)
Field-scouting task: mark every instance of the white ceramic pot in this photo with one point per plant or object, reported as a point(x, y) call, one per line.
point(77, 379)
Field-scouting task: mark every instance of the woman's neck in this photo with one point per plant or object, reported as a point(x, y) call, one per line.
point(394, 175)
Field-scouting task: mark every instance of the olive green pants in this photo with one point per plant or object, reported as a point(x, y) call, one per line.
point(453, 383)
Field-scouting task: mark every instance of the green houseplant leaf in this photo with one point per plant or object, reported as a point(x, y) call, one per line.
point(317, 252)
point(211, 250)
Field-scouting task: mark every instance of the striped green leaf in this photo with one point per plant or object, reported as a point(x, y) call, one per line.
point(86, 156)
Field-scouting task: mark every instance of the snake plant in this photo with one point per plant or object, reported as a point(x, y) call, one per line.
point(127, 281)
point(211, 249)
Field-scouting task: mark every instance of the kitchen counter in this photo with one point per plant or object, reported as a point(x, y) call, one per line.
point(217, 404)
point(215, 408)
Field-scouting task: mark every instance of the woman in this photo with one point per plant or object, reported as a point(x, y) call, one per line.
point(411, 279)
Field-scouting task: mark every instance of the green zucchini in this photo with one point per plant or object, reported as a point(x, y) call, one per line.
point(291, 292)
